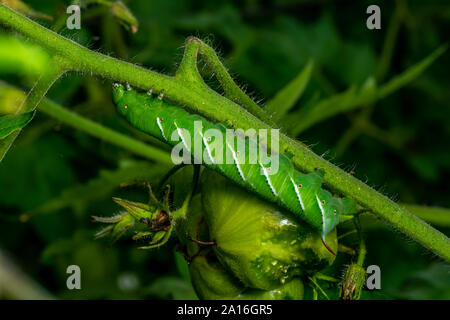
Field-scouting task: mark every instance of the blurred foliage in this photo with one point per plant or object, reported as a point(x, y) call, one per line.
point(58, 177)
point(21, 57)
point(11, 123)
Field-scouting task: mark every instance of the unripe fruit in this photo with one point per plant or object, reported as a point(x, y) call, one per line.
point(293, 290)
point(259, 243)
point(212, 281)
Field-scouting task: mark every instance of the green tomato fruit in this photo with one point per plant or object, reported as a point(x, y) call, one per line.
point(293, 290)
point(260, 244)
point(212, 281)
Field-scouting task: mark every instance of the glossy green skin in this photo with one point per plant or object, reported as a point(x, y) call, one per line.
point(212, 282)
point(295, 191)
point(293, 290)
point(261, 245)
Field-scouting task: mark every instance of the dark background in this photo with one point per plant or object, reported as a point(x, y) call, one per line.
point(264, 44)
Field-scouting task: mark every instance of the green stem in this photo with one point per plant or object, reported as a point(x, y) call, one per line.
point(232, 90)
point(390, 40)
point(74, 120)
point(362, 244)
point(200, 98)
point(97, 130)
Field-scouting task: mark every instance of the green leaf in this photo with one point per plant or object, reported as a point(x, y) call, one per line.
point(285, 99)
point(312, 114)
point(411, 73)
point(354, 98)
point(10, 123)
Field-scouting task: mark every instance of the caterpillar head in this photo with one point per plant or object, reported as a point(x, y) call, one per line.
point(118, 91)
point(118, 94)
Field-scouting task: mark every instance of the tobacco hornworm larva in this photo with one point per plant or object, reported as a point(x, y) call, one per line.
point(297, 192)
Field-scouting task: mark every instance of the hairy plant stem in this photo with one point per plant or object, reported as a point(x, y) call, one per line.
point(232, 90)
point(195, 95)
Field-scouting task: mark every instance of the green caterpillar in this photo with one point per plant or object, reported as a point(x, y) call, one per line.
point(297, 192)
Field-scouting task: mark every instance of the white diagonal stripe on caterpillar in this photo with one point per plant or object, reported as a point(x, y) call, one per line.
point(236, 161)
point(208, 150)
point(181, 137)
point(158, 121)
point(321, 209)
point(268, 180)
point(299, 197)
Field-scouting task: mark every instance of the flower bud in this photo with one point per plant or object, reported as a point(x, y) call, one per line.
point(353, 282)
point(156, 222)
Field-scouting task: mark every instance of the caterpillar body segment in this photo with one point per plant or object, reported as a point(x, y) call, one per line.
point(300, 193)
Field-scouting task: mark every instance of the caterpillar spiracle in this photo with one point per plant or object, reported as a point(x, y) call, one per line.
point(300, 193)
